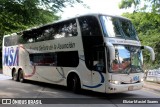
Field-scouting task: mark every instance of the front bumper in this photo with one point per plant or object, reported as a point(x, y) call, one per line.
point(113, 88)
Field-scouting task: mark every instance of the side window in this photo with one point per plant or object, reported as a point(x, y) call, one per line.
point(43, 59)
point(67, 59)
point(66, 29)
point(30, 36)
point(54, 31)
point(61, 59)
point(46, 34)
point(59, 30)
point(89, 26)
point(11, 40)
point(7, 41)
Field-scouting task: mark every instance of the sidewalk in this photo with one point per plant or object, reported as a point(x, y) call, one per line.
point(152, 85)
point(3, 77)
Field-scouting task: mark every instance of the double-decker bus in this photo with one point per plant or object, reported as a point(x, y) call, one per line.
point(95, 52)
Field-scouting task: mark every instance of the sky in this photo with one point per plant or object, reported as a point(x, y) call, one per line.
point(96, 6)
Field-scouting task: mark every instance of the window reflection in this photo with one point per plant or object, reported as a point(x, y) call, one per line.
point(128, 60)
point(49, 32)
point(118, 27)
point(122, 60)
point(111, 26)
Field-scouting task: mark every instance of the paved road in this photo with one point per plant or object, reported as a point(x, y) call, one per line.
point(13, 89)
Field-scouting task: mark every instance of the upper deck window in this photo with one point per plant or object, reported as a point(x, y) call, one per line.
point(118, 27)
point(11, 40)
point(89, 26)
point(54, 31)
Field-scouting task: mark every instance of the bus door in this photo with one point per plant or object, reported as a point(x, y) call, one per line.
point(99, 69)
point(92, 39)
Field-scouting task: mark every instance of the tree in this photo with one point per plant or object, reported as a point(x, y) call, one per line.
point(149, 5)
point(148, 29)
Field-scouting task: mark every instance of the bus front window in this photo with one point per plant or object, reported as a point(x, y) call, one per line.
point(118, 27)
point(128, 60)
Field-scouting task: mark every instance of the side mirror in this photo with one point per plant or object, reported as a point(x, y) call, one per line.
point(151, 51)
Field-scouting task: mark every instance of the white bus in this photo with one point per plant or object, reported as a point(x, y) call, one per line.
point(95, 52)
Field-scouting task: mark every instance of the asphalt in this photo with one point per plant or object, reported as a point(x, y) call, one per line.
point(147, 84)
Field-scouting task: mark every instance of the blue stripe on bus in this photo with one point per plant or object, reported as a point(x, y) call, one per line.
point(98, 85)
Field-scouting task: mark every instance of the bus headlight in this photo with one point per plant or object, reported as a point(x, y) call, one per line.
point(114, 82)
point(142, 80)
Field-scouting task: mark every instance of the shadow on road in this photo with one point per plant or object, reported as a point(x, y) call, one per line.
point(83, 92)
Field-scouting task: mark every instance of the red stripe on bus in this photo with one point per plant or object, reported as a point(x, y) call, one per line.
point(33, 72)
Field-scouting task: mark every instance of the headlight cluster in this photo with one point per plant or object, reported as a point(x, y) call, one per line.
point(115, 82)
point(142, 80)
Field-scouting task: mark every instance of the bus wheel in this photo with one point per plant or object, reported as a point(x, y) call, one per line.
point(74, 83)
point(20, 76)
point(14, 75)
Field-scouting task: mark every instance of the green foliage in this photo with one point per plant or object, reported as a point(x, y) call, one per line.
point(148, 29)
point(17, 16)
point(128, 3)
point(149, 5)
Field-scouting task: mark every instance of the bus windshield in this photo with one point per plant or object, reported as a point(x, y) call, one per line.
point(118, 27)
point(128, 60)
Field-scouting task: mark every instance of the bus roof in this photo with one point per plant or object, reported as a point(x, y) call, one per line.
point(88, 14)
point(97, 14)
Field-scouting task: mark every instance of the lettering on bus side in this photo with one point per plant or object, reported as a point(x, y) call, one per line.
point(54, 46)
point(65, 46)
point(11, 56)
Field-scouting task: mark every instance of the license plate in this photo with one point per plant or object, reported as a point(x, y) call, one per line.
point(130, 88)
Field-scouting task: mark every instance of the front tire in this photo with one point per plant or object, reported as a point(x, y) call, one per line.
point(74, 84)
